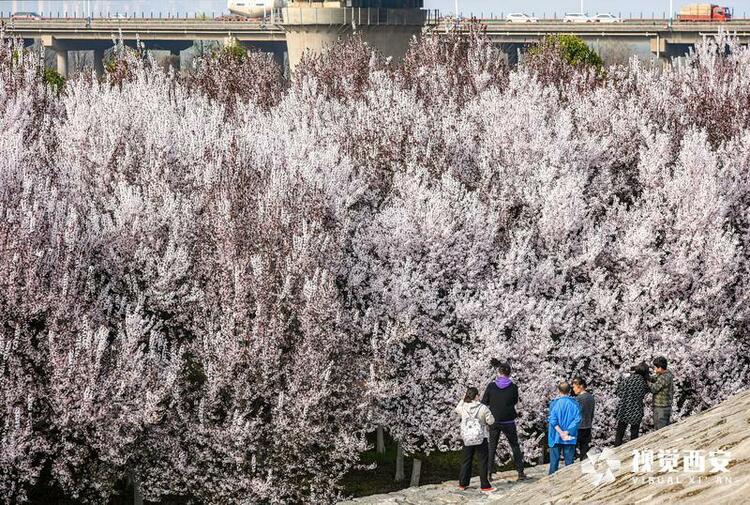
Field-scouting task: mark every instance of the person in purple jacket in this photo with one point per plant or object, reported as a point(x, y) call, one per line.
point(501, 396)
point(562, 434)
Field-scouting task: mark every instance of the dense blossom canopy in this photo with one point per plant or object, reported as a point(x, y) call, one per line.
point(220, 292)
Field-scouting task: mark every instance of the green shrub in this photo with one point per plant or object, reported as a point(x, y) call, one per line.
point(571, 48)
point(53, 79)
point(577, 52)
point(235, 52)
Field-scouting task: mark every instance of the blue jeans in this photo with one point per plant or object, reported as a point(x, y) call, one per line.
point(569, 453)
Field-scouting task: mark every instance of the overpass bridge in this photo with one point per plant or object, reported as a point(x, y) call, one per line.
point(62, 35)
point(666, 39)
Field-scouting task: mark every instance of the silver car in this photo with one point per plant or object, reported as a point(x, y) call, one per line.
point(576, 18)
point(26, 16)
point(520, 17)
point(607, 18)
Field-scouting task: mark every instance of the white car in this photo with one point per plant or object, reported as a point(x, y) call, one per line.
point(520, 17)
point(606, 18)
point(576, 18)
point(26, 16)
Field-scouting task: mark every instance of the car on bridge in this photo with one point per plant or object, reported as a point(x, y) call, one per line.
point(520, 17)
point(606, 18)
point(32, 16)
point(576, 18)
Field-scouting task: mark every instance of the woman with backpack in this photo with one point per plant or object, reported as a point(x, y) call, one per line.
point(475, 420)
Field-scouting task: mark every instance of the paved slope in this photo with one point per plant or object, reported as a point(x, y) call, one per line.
point(726, 427)
point(448, 492)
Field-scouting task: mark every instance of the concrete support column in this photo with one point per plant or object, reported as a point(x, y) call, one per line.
point(312, 26)
point(659, 46)
point(174, 49)
point(176, 59)
point(61, 59)
point(99, 62)
point(280, 58)
point(61, 54)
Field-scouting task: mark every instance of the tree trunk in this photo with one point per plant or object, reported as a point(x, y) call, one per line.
point(137, 495)
point(416, 469)
point(399, 463)
point(543, 446)
point(380, 446)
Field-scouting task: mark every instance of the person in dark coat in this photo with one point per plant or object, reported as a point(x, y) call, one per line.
point(501, 396)
point(588, 403)
point(631, 391)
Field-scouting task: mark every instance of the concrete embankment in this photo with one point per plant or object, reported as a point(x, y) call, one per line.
point(703, 459)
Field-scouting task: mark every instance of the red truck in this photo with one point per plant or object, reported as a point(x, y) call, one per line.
point(705, 13)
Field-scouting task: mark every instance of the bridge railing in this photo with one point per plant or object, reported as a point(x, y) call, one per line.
point(636, 16)
point(275, 15)
point(138, 15)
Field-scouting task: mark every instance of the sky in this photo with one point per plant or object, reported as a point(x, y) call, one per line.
point(486, 7)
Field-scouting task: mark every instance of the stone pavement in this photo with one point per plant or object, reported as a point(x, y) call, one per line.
point(448, 492)
point(724, 428)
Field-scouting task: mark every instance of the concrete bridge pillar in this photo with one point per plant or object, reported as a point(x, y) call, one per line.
point(277, 50)
point(314, 25)
point(61, 57)
point(176, 59)
point(60, 51)
point(280, 58)
point(175, 48)
point(99, 62)
point(659, 47)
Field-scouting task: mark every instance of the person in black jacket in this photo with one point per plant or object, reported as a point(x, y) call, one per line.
point(501, 397)
point(631, 391)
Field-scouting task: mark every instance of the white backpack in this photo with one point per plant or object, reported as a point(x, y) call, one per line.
point(472, 430)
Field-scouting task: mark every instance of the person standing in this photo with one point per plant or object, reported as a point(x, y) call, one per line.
point(562, 432)
point(501, 396)
point(663, 389)
point(475, 420)
point(588, 403)
point(631, 391)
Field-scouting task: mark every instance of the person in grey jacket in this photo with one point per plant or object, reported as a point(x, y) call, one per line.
point(476, 415)
point(588, 403)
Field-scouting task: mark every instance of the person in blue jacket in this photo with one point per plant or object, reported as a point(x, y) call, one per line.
point(562, 434)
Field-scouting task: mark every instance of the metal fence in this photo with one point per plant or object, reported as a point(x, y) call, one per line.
point(275, 14)
point(209, 16)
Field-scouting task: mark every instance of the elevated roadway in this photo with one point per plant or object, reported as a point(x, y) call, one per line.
point(666, 39)
point(146, 29)
point(62, 35)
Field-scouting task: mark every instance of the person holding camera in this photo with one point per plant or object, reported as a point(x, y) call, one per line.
point(631, 391)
